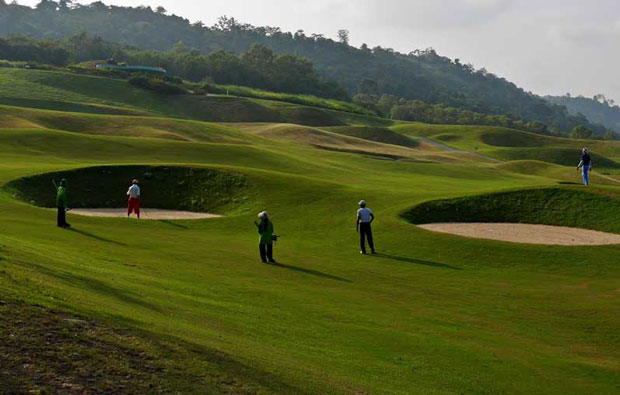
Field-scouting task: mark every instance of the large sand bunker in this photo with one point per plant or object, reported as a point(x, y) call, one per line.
point(526, 233)
point(144, 214)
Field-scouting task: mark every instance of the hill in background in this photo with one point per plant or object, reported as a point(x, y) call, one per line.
point(419, 75)
point(598, 109)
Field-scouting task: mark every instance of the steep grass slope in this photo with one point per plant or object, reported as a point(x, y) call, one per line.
point(170, 187)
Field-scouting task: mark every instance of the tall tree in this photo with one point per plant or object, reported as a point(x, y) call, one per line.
point(581, 132)
point(343, 36)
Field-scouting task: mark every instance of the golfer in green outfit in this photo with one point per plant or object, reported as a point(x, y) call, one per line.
point(265, 242)
point(62, 204)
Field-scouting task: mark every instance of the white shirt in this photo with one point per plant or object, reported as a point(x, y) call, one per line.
point(134, 191)
point(364, 214)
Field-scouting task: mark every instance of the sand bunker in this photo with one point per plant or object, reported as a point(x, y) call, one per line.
point(526, 233)
point(149, 213)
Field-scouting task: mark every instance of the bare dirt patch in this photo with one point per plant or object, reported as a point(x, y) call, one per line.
point(43, 351)
point(526, 233)
point(149, 213)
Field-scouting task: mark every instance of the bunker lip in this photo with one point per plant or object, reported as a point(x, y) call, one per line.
point(148, 213)
point(525, 233)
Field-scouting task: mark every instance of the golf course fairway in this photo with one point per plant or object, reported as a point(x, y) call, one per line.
point(186, 305)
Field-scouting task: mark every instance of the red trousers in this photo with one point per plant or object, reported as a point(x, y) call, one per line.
point(133, 205)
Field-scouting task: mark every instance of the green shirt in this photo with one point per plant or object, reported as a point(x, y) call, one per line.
point(265, 230)
point(61, 198)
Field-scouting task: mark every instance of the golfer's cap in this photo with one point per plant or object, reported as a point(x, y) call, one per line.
point(585, 149)
point(362, 203)
point(134, 182)
point(263, 214)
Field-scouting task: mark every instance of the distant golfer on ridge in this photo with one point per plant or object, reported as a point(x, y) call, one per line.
point(265, 241)
point(133, 204)
point(362, 225)
point(586, 166)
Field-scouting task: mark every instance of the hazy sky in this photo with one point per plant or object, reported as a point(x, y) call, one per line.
point(546, 46)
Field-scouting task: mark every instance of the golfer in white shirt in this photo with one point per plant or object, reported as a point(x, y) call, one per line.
point(362, 225)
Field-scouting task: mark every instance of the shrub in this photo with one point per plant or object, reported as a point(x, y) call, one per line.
point(6, 64)
point(157, 85)
point(212, 88)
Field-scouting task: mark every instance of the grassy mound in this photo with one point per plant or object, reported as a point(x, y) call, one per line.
point(448, 137)
point(172, 188)
point(559, 156)
point(513, 138)
point(112, 125)
point(62, 91)
point(550, 206)
point(529, 167)
point(378, 134)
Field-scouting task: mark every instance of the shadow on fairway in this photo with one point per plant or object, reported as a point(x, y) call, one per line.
point(416, 261)
point(168, 222)
point(93, 236)
point(311, 272)
point(95, 285)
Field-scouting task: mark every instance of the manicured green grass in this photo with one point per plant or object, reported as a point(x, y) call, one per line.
point(62, 91)
point(306, 100)
point(431, 313)
point(560, 156)
point(509, 144)
point(382, 135)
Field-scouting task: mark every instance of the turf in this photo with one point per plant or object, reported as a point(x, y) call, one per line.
point(63, 91)
point(431, 313)
point(381, 135)
point(509, 144)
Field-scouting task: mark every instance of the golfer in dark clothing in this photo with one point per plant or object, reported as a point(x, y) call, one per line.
point(61, 204)
point(265, 241)
point(586, 166)
point(362, 225)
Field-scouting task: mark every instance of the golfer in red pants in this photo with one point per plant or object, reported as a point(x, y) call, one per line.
point(133, 205)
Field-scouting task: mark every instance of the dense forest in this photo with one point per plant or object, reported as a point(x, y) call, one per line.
point(259, 67)
point(190, 50)
point(597, 109)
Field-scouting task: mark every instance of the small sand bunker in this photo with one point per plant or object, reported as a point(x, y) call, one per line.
point(526, 233)
point(149, 213)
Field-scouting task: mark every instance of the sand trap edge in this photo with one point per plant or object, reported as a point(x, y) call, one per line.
point(526, 233)
point(149, 213)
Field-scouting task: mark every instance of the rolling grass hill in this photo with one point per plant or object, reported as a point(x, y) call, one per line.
point(62, 91)
point(510, 144)
point(431, 313)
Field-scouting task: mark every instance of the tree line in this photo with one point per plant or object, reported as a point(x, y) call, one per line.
point(230, 52)
point(393, 107)
point(259, 67)
point(418, 75)
point(598, 108)
point(262, 68)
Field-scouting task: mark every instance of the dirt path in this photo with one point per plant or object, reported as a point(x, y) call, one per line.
point(526, 233)
point(149, 213)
